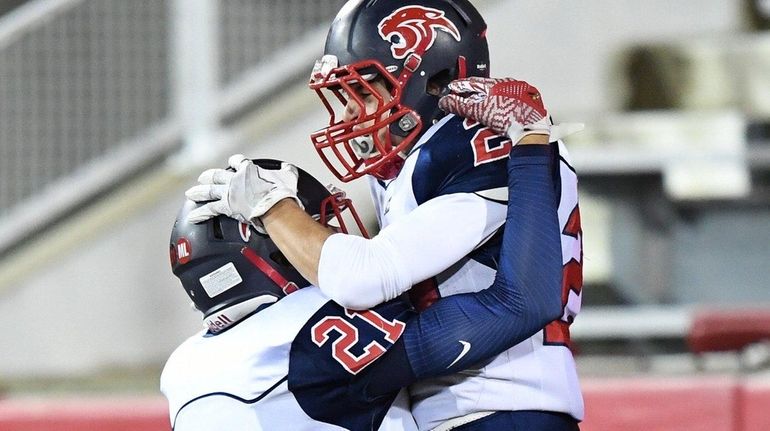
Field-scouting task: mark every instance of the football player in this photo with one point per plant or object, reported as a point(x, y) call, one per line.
point(272, 361)
point(268, 361)
point(440, 185)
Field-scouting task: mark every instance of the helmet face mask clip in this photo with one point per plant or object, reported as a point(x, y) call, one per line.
point(333, 210)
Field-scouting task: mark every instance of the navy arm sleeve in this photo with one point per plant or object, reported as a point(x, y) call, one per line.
point(525, 296)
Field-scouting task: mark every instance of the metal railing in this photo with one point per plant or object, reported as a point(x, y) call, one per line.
point(89, 93)
point(76, 85)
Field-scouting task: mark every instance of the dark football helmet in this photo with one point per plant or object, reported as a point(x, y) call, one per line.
point(417, 47)
point(229, 270)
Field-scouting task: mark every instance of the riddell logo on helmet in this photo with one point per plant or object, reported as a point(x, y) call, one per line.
point(218, 322)
point(415, 29)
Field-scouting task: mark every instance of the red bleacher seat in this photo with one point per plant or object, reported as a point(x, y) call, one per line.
point(725, 330)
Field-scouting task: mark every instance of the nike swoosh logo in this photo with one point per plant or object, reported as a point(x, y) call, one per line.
point(466, 348)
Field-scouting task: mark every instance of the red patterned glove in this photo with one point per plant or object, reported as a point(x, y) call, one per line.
point(507, 106)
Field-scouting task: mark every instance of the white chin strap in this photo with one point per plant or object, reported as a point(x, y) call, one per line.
point(363, 146)
point(225, 318)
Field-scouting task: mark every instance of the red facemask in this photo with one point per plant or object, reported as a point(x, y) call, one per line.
point(333, 210)
point(349, 149)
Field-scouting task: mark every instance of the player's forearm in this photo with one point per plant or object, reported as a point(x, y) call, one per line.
point(526, 293)
point(355, 272)
point(359, 273)
point(298, 236)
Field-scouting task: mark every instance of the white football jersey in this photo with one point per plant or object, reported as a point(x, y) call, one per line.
point(266, 371)
point(456, 177)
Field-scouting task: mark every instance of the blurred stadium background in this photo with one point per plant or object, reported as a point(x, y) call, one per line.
point(110, 108)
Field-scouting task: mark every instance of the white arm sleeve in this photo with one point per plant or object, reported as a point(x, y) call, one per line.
point(360, 273)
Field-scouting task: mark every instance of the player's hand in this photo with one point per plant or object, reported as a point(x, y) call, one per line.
point(506, 106)
point(244, 192)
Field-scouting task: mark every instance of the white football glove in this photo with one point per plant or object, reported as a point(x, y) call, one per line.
point(244, 194)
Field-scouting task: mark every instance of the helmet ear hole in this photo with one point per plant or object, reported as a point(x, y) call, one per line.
point(280, 259)
point(217, 228)
point(381, 80)
point(437, 83)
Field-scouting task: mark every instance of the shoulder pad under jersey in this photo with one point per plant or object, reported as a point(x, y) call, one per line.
point(459, 156)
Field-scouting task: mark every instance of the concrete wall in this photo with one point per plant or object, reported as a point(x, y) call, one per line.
point(569, 49)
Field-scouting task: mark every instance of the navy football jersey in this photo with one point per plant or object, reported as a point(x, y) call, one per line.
point(287, 367)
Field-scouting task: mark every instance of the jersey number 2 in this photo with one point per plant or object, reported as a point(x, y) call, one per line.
point(487, 146)
point(348, 337)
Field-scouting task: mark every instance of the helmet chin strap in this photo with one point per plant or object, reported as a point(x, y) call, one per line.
point(363, 146)
point(257, 260)
point(225, 318)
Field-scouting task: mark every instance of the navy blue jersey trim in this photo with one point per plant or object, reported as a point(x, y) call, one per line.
point(383, 184)
point(568, 165)
point(235, 397)
point(489, 252)
point(497, 201)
